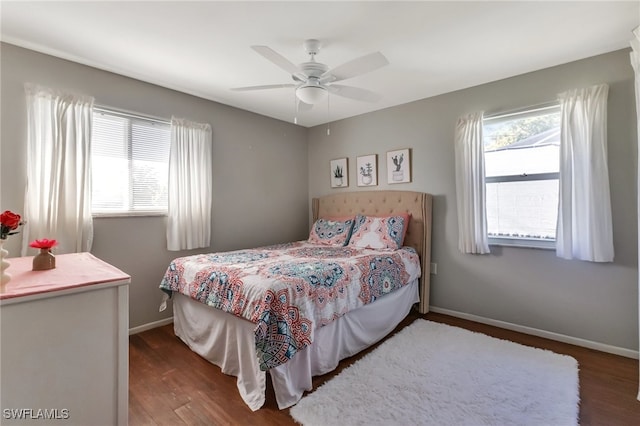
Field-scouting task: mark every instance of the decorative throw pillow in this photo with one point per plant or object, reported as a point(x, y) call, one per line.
point(334, 232)
point(379, 232)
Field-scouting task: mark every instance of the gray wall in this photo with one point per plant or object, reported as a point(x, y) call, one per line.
point(256, 203)
point(257, 200)
point(527, 287)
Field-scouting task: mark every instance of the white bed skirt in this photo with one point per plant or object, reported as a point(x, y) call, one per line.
point(228, 342)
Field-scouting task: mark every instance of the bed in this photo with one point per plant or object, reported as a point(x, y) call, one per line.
point(282, 335)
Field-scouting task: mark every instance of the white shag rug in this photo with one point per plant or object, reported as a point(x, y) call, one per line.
point(435, 374)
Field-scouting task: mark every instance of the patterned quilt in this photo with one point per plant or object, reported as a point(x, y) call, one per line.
point(290, 289)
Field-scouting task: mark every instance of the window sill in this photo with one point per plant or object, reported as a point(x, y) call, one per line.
point(523, 243)
point(128, 214)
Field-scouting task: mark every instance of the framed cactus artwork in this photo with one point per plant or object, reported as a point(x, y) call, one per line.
point(398, 166)
point(367, 168)
point(339, 173)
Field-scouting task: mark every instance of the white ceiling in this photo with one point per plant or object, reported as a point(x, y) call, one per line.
point(203, 48)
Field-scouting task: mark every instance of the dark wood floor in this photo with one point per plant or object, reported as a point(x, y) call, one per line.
point(170, 385)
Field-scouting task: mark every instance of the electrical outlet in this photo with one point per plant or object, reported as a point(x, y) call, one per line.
point(434, 268)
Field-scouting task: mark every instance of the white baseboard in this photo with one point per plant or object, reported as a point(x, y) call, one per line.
point(149, 326)
point(629, 353)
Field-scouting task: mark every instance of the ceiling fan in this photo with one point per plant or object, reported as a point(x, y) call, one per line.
point(314, 80)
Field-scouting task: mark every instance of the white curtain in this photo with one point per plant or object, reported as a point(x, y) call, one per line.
point(190, 173)
point(470, 189)
point(585, 229)
point(58, 193)
point(635, 63)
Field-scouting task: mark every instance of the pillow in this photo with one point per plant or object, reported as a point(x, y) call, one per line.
point(332, 231)
point(379, 232)
point(405, 215)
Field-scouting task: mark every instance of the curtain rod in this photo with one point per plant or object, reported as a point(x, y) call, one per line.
point(131, 114)
point(527, 109)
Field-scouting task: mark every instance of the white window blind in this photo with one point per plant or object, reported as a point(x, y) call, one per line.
point(129, 160)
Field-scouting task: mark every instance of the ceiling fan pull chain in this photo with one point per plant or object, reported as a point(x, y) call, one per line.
point(295, 106)
point(328, 115)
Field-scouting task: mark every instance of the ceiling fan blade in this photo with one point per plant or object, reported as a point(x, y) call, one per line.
point(358, 66)
point(353, 93)
point(282, 62)
point(267, 86)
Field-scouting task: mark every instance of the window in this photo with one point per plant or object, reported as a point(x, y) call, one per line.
point(129, 161)
point(522, 177)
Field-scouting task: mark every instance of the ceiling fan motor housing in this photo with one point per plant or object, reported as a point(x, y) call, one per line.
point(312, 69)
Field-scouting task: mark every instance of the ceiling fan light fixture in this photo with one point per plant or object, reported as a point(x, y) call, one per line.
point(311, 94)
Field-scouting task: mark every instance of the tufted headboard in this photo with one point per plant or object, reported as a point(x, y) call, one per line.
point(382, 203)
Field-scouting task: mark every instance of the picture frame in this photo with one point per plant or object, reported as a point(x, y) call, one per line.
point(398, 166)
point(367, 170)
point(339, 173)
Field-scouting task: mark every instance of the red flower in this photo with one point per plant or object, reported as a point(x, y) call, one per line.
point(9, 221)
point(43, 243)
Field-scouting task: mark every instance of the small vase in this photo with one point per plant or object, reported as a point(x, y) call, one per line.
point(4, 264)
point(44, 260)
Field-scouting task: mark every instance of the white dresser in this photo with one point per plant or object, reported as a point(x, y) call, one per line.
point(64, 343)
